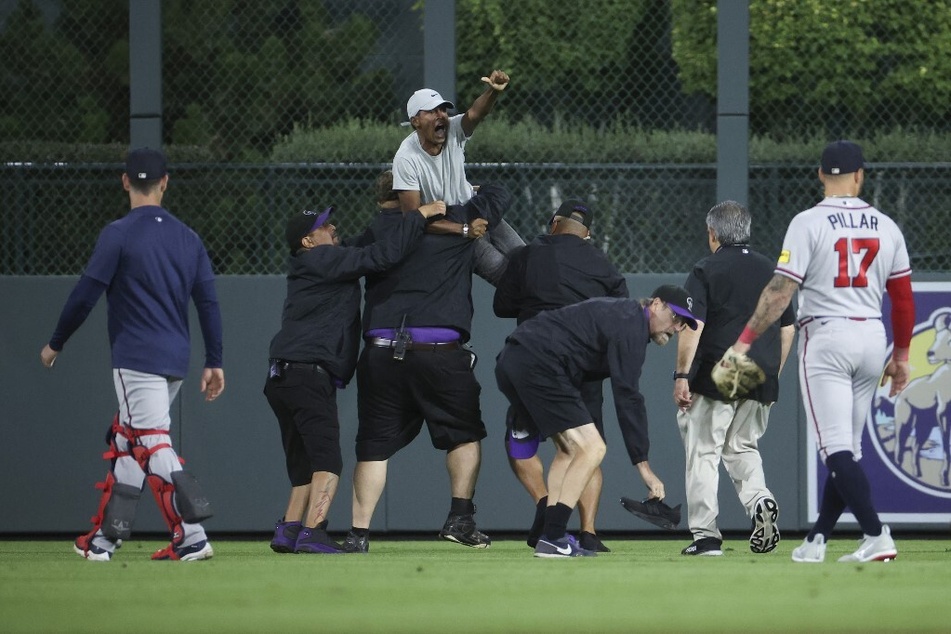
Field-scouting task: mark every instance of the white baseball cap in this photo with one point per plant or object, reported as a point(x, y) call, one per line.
point(425, 99)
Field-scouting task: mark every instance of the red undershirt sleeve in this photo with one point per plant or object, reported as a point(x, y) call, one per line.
point(903, 311)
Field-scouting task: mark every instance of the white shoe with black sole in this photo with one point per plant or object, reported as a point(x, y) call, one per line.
point(765, 534)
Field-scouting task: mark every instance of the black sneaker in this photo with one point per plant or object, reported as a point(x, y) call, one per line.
point(590, 541)
point(316, 541)
point(765, 533)
point(462, 530)
point(285, 536)
point(705, 546)
point(356, 543)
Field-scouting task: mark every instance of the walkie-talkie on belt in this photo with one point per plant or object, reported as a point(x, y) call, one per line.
point(402, 339)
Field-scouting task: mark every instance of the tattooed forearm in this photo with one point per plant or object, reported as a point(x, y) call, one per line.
point(772, 302)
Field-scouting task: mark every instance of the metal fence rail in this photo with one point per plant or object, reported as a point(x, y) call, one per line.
point(649, 218)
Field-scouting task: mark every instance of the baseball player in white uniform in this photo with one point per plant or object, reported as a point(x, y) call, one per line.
point(842, 254)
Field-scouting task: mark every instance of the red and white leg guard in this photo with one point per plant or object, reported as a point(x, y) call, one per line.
point(164, 493)
point(116, 512)
point(83, 542)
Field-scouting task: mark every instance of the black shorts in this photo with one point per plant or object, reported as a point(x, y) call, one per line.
point(395, 397)
point(539, 391)
point(305, 403)
point(521, 434)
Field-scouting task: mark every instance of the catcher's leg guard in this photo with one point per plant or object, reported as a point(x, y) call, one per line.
point(119, 513)
point(84, 544)
point(106, 488)
point(113, 519)
point(164, 493)
point(189, 498)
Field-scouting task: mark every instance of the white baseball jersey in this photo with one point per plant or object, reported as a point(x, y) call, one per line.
point(842, 252)
point(440, 177)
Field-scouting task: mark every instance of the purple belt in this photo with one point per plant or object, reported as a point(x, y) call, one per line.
point(418, 335)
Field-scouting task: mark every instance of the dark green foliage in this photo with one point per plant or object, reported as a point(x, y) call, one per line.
point(579, 62)
point(240, 74)
point(843, 68)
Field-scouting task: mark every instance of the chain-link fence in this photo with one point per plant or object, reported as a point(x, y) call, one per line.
point(276, 105)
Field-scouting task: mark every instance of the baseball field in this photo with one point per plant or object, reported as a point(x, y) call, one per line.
point(434, 586)
point(429, 586)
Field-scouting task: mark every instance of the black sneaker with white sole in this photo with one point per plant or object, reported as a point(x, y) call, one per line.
point(765, 534)
point(462, 530)
point(705, 546)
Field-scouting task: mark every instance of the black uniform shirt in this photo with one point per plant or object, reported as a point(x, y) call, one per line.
point(597, 339)
point(554, 271)
point(321, 318)
point(433, 286)
point(725, 287)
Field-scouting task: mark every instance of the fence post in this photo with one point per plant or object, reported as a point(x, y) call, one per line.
point(733, 107)
point(145, 73)
point(439, 47)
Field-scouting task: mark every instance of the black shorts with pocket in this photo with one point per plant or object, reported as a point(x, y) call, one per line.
point(394, 398)
point(305, 403)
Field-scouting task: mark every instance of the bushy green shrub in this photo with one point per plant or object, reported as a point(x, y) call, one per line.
point(51, 152)
point(526, 141)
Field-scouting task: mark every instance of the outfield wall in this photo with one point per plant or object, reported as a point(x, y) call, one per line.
point(54, 423)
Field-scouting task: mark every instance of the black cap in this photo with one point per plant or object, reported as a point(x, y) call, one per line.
point(304, 223)
point(679, 301)
point(842, 157)
point(570, 207)
point(145, 164)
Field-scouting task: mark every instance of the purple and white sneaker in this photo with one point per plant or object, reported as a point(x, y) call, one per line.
point(567, 546)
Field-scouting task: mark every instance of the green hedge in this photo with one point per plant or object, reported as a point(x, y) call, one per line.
point(359, 141)
point(51, 152)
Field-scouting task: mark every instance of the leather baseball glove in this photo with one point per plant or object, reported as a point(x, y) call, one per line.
point(736, 374)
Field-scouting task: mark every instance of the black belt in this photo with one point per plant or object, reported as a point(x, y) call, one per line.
point(380, 342)
point(297, 365)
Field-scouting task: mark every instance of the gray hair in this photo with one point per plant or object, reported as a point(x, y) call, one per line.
point(730, 222)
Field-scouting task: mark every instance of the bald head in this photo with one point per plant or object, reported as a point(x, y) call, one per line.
point(573, 226)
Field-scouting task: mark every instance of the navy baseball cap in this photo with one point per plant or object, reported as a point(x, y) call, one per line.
point(842, 157)
point(304, 223)
point(145, 164)
point(571, 207)
point(679, 301)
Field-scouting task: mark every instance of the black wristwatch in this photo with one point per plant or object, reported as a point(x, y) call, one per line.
point(681, 375)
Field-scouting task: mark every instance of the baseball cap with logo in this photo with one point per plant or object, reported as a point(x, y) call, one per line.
point(679, 301)
point(145, 164)
point(571, 207)
point(842, 157)
point(304, 223)
point(425, 99)
point(521, 437)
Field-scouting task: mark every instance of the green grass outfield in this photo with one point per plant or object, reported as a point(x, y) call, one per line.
point(435, 586)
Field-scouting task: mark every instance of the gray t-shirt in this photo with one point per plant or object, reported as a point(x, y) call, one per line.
point(440, 177)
